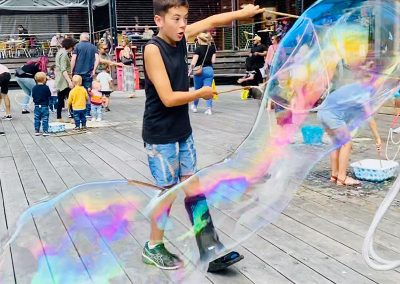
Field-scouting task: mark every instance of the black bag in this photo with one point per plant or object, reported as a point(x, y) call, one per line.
point(19, 72)
point(126, 61)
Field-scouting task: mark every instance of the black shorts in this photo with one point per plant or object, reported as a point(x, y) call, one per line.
point(4, 82)
point(106, 93)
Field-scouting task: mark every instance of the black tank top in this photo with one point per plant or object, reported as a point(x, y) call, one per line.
point(161, 124)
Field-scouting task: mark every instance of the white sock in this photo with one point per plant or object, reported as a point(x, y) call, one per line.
point(152, 246)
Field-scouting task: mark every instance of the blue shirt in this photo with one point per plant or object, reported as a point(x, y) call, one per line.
point(85, 58)
point(41, 95)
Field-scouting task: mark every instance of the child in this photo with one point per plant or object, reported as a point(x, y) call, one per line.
point(166, 125)
point(396, 98)
point(106, 83)
point(96, 100)
point(77, 99)
point(51, 84)
point(41, 95)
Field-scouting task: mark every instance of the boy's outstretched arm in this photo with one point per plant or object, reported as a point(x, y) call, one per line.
point(157, 74)
point(222, 19)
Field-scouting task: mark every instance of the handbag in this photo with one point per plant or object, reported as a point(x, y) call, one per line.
point(198, 70)
point(126, 61)
point(19, 72)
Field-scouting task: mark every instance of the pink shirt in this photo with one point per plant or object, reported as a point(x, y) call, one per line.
point(3, 69)
point(270, 54)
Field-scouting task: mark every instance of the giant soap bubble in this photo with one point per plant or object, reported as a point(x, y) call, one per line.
point(340, 56)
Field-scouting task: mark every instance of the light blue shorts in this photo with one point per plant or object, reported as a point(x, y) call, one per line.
point(396, 95)
point(169, 162)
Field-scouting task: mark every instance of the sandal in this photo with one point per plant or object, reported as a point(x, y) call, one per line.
point(348, 181)
point(333, 179)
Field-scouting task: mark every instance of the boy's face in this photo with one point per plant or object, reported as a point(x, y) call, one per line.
point(173, 23)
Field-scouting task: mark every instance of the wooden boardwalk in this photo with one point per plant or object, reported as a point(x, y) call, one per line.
point(317, 239)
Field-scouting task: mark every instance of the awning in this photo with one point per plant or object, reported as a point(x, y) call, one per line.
point(42, 5)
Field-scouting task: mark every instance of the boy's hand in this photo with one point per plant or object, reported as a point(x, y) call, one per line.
point(249, 11)
point(206, 93)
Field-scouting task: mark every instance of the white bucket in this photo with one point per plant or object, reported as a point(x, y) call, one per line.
point(374, 170)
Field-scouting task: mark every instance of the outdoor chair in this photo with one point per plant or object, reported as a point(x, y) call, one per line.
point(5, 51)
point(249, 39)
point(53, 51)
point(21, 48)
point(45, 48)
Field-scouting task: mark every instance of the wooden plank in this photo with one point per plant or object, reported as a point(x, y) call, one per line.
point(323, 236)
point(6, 262)
point(357, 213)
point(83, 248)
point(15, 203)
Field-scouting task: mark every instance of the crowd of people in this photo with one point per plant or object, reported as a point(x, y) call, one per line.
point(79, 81)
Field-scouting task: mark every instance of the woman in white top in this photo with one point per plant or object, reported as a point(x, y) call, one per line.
point(5, 78)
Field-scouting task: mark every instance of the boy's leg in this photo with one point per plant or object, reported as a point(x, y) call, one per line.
point(83, 118)
point(93, 110)
point(36, 113)
point(45, 118)
point(197, 208)
point(77, 118)
point(99, 112)
point(164, 166)
point(108, 100)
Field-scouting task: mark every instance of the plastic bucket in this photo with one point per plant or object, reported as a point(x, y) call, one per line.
point(312, 134)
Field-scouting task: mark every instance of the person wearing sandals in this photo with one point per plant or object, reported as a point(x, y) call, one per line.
point(126, 58)
point(204, 57)
point(340, 114)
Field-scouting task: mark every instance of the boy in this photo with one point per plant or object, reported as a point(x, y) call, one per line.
point(78, 98)
point(166, 125)
point(106, 83)
point(41, 96)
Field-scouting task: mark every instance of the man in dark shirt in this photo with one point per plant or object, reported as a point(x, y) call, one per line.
point(41, 95)
point(84, 62)
point(254, 62)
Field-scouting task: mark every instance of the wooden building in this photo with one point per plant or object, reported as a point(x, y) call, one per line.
point(136, 12)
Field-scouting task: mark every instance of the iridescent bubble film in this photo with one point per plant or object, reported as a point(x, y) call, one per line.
point(339, 60)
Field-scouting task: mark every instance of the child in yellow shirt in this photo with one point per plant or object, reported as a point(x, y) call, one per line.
point(78, 97)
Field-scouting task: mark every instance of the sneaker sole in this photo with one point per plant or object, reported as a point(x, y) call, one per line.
point(148, 260)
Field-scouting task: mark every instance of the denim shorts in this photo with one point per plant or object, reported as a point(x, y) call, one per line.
point(332, 120)
point(169, 162)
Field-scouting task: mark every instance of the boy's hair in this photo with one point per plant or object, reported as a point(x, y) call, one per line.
point(107, 68)
point(161, 7)
point(77, 80)
point(40, 77)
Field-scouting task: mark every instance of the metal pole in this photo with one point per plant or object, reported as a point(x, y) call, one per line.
point(113, 22)
point(90, 20)
point(234, 25)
